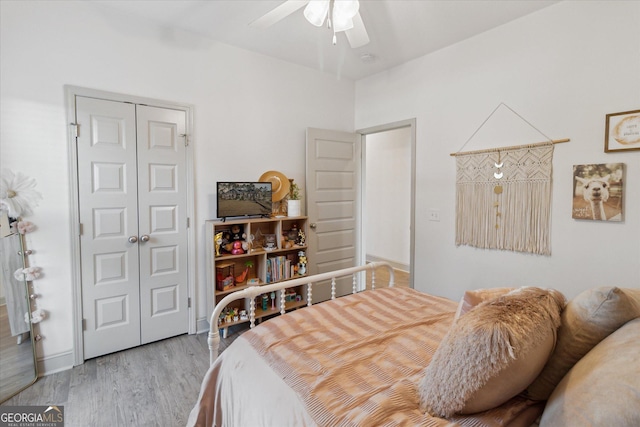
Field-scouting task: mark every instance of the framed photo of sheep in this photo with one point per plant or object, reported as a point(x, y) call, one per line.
point(598, 192)
point(622, 131)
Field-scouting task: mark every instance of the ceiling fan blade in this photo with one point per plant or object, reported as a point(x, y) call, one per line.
point(277, 14)
point(357, 36)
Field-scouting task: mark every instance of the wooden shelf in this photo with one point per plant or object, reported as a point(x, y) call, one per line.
point(228, 257)
point(258, 257)
point(260, 313)
point(297, 276)
point(279, 251)
point(232, 289)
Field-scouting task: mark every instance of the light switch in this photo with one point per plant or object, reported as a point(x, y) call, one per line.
point(433, 214)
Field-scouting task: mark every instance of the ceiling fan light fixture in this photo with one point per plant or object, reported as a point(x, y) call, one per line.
point(345, 9)
point(316, 11)
point(341, 24)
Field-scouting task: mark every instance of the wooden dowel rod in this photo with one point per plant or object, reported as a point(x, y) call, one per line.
point(491, 150)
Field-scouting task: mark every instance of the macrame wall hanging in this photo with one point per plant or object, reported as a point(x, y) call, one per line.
point(503, 196)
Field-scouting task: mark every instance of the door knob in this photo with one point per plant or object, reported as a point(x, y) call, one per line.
point(144, 238)
point(313, 225)
point(133, 239)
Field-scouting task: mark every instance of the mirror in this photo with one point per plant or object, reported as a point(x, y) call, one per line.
point(17, 350)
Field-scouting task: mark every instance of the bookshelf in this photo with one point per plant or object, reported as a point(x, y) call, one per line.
point(254, 252)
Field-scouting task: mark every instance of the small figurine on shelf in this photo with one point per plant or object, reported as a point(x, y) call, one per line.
point(236, 248)
point(224, 239)
point(243, 315)
point(238, 245)
point(302, 263)
point(224, 276)
point(273, 300)
point(270, 242)
point(248, 243)
point(301, 238)
point(218, 241)
point(243, 276)
point(292, 235)
point(237, 233)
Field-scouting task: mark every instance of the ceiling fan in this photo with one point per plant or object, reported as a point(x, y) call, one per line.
point(340, 15)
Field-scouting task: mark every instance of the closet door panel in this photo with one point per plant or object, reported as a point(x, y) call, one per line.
point(107, 175)
point(162, 196)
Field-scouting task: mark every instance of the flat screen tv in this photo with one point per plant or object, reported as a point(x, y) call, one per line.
point(242, 199)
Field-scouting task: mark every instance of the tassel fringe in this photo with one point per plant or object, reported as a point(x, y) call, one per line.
point(522, 212)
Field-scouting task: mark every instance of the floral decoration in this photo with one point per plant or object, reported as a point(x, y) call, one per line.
point(17, 194)
point(28, 274)
point(25, 227)
point(36, 316)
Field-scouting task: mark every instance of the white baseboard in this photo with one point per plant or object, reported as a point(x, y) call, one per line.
point(56, 363)
point(394, 264)
point(202, 325)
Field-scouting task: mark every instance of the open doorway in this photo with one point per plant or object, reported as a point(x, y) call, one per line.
point(388, 195)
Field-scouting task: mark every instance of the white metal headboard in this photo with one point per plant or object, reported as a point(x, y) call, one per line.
point(309, 281)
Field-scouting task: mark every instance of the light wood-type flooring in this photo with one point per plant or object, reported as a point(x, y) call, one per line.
point(152, 385)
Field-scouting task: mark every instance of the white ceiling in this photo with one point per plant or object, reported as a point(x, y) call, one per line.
point(400, 30)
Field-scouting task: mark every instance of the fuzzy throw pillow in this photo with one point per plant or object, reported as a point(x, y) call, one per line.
point(472, 298)
point(492, 353)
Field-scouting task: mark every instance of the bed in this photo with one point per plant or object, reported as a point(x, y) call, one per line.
point(357, 360)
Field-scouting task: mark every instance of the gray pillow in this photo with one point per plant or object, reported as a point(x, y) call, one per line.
point(603, 388)
point(588, 319)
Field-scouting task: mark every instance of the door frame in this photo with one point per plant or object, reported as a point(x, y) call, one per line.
point(410, 123)
point(76, 287)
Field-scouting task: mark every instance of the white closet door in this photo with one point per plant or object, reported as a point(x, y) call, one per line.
point(133, 198)
point(107, 175)
point(162, 198)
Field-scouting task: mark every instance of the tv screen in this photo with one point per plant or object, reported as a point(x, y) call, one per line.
point(237, 199)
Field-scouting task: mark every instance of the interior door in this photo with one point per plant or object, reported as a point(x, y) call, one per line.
point(333, 204)
point(162, 200)
point(132, 198)
point(107, 187)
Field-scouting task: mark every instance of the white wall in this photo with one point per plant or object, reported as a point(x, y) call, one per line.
point(251, 113)
point(387, 216)
point(562, 68)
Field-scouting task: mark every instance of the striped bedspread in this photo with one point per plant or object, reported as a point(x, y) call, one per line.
point(356, 361)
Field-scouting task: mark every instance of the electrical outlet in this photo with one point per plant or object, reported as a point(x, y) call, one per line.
point(433, 214)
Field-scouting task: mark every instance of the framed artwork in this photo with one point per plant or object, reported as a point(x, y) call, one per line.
point(598, 192)
point(622, 132)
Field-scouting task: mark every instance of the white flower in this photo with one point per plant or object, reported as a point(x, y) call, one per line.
point(37, 316)
point(17, 194)
point(28, 274)
point(25, 227)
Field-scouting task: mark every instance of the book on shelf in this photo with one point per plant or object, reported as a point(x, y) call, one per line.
point(280, 268)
